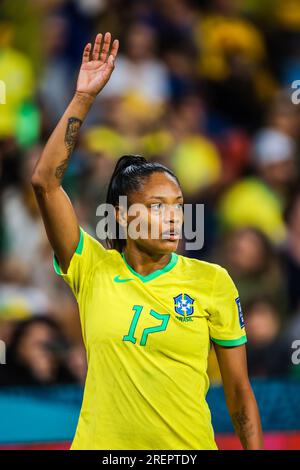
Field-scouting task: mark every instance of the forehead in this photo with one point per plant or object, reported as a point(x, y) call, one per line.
point(159, 184)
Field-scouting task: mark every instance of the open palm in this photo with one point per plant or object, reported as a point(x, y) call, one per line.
point(95, 73)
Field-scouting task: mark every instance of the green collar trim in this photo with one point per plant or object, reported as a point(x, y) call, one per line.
point(157, 272)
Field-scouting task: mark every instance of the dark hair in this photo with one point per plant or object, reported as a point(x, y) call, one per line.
point(290, 207)
point(21, 330)
point(269, 256)
point(129, 174)
point(20, 373)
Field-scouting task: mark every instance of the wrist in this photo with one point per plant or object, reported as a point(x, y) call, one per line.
point(84, 98)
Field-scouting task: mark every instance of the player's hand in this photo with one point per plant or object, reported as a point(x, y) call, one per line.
point(97, 65)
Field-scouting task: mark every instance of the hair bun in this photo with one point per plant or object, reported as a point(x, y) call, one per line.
point(127, 160)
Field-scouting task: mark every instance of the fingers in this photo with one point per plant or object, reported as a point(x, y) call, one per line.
point(110, 60)
point(105, 47)
point(114, 49)
point(97, 51)
point(86, 53)
point(113, 53)
point(97, 47)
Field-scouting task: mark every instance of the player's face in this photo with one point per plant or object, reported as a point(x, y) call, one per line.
point(160, 214)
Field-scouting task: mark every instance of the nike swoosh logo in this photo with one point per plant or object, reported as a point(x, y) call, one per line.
point(118, 279)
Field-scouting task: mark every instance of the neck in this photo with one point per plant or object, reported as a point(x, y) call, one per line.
point(143, 262)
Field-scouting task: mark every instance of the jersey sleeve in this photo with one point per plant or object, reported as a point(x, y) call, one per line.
point(87, 254)
point(226, 322)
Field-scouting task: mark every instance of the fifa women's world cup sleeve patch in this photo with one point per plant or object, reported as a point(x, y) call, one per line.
point(241, 316)
point(226, 321)
point(88, 252)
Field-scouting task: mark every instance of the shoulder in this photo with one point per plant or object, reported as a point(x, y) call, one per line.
point(92, 249)
point(197, 267)
point(88, 241)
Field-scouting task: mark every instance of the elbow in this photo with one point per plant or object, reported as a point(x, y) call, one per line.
point(41, 185)
point(38, 183)
point(238, 393)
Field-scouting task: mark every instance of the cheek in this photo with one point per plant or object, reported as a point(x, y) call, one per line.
point(155, 222)
point(145, 225)
point(179, 217)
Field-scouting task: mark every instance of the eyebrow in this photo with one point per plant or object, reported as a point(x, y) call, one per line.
point(163, 197)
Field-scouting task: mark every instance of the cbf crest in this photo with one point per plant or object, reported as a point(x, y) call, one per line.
point(184, 306)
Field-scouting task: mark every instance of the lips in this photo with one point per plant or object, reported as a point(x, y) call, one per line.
point(171, 235)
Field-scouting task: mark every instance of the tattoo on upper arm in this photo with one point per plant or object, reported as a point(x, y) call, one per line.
point(243, 426)
point(60, 170)
point(70, 141)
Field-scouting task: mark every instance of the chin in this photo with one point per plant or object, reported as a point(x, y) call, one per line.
point(161, 247)
point(167, 246)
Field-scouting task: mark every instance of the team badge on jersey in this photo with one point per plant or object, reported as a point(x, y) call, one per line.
point(241, 316)
point(183, 305)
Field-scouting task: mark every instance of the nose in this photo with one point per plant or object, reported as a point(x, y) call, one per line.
point(172, 215)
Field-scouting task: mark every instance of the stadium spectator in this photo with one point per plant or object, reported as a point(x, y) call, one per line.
point(37, 355)
point(140, 71)
point(17, 75)
point(290, 254)
point(268, 352)
point(259, 200)
point(254, 264)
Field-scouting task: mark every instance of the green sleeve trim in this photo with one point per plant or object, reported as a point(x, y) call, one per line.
point(80, 243)
point(230, 342)
point(78, 250)
point(56, 266)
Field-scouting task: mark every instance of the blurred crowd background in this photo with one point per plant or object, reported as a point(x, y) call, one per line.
point(204, 87)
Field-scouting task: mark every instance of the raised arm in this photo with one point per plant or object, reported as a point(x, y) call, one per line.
point(58, 214)
point(239, 396)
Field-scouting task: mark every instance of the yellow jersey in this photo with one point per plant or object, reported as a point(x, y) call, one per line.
point(147, 340)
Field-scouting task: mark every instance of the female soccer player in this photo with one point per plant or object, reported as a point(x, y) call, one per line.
point(147, 314)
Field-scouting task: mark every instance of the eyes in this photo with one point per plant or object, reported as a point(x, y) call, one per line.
point(159, 206)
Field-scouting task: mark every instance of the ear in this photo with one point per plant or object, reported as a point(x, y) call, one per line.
point(121, 216)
